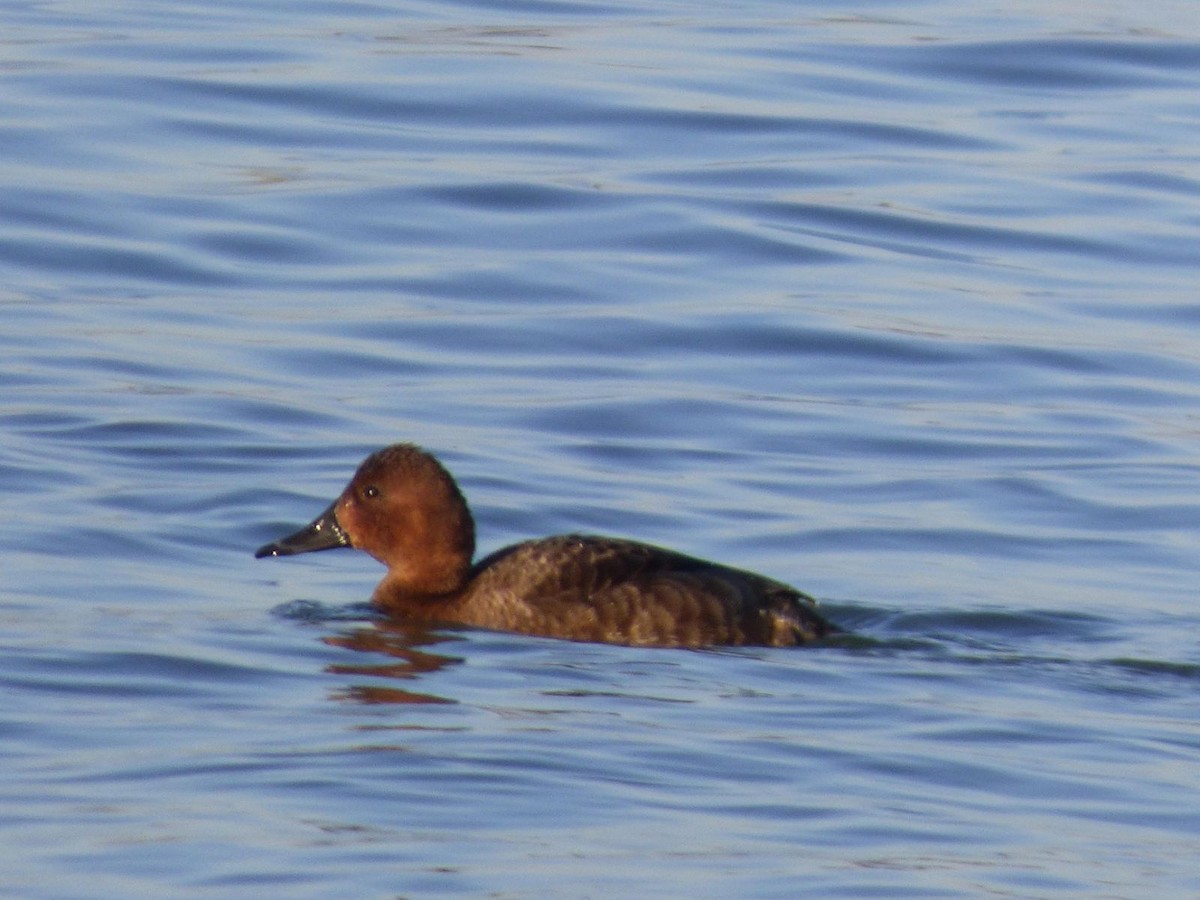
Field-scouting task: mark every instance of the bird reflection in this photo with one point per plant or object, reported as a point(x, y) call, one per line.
point(400, 641)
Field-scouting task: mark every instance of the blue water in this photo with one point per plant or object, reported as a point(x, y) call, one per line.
point(894, 301)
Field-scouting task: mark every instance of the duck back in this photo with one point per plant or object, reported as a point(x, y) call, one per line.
point(590, 588)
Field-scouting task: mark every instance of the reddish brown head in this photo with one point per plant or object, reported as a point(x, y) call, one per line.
point(404, 509)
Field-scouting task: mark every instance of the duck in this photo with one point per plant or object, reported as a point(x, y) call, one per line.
point(404, 508)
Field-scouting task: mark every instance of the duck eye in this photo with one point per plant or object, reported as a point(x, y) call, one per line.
point(370, 492)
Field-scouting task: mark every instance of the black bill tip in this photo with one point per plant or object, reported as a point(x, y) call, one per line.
point(323, 533)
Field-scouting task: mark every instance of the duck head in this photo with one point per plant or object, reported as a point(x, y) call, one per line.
point(403, 508)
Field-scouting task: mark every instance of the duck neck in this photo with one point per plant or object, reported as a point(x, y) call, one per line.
point(432, 581)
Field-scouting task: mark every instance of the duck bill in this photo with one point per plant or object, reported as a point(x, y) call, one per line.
point(323, 533)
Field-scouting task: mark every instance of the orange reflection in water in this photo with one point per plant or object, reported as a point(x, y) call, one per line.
point(401, 642)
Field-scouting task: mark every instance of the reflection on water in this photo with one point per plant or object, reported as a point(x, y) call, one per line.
point(400, 641)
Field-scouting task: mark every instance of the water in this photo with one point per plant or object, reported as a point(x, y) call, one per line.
point(892, 301)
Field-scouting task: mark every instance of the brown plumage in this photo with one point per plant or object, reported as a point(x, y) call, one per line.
point(404, 508)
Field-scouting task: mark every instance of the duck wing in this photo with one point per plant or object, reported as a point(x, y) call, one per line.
point(592, 588)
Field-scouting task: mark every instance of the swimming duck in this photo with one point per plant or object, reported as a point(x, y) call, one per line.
point(404, 508)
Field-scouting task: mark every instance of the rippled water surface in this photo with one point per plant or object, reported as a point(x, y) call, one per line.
point(895, 301)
